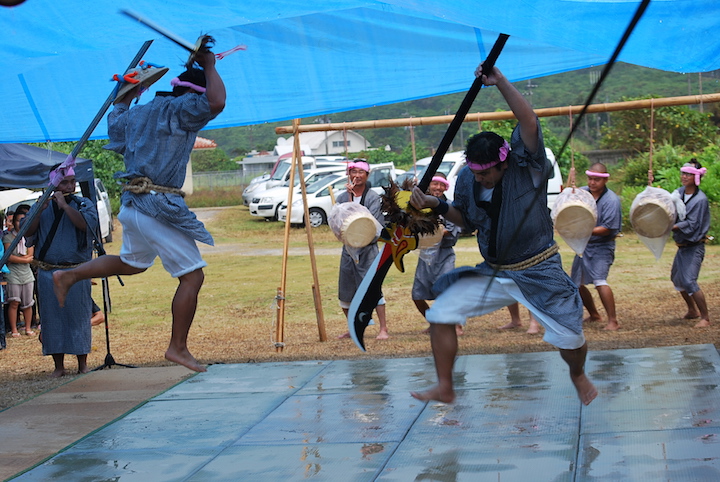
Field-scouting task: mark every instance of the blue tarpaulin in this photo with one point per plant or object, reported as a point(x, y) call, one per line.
point(321, 56)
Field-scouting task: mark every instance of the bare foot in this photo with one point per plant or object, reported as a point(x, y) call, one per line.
point(185, 359)
point(59, 372)
point(534, 328)
point(591, 319)
point(510, 326)
point(459, 330)
point(585, 389)
point(62, 281)
point(702, 323)
point(84, 369)
point(612, 326)
point(344, 335)
point(691, 315)
point(435, 393)
point(383, 335)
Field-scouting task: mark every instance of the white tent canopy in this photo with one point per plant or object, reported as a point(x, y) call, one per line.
point(322, 56)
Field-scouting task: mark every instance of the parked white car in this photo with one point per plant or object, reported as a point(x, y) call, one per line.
point(454, 161)
point(282, 174)
point(265, 203)
point(318, 194)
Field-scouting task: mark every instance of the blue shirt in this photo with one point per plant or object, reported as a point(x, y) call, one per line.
point(156, 140)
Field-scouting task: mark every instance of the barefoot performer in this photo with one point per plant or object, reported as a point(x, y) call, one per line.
point(492, 194)
point(63, 230)
point(599, 253)
point(690, 235)
point(155, 140)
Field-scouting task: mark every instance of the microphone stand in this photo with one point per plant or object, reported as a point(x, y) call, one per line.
point(107, 306)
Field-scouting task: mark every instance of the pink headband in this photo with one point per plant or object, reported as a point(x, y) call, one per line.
point(62, 171)
point(597, 174)
point(699, 173)
point(502, 155)
point(442, 180)
point(181, 83)
point(360, 165)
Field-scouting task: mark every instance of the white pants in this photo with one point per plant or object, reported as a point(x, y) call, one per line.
point(471, 296)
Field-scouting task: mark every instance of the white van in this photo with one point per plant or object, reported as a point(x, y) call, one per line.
point(454, 161)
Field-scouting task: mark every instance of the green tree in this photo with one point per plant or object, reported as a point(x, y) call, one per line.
point(212, 160)
point(675, 125)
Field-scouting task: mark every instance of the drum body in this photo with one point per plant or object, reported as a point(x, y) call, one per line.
point(353, 224)
point(575, 216)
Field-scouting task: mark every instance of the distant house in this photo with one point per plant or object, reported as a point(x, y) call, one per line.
point(324, 143)
point(200, 144)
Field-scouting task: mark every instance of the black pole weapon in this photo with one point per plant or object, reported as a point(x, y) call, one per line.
point(398, 239)
point(73, 155)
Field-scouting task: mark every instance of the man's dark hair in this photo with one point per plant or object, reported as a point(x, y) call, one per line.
point(194, 76)
point(696, 163)
point(22, 209)
point(483, 148)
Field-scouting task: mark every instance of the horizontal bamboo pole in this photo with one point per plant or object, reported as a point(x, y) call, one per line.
point(486, 116)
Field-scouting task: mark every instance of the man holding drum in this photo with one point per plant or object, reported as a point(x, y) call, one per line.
point(495, 194)
point(351, 272)
point(690, 235)
point(599, 253)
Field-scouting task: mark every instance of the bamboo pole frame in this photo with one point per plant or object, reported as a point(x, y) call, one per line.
point(317, 299)
point(503, 115)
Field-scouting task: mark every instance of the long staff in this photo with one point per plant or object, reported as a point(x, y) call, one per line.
point(70, 161)
point(397, 241)
point(606, 71)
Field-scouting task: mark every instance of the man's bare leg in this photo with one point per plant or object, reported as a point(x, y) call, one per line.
point(608, 301)
point(576, 362)
point(589, 304)
point(699, 299)
point(515, 322)
point(382, 320)
point(100, 267)
point(444, 346)
point(82, 364)
point(534, 327)
point(184, 305)
point(692, 311)
point(59, 362)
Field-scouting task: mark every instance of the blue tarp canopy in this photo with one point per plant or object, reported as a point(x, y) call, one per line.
point(312, 57)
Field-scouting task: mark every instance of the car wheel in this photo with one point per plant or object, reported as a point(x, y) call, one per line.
point(317, 217)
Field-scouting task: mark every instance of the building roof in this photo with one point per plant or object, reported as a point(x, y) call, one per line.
point(202, 143)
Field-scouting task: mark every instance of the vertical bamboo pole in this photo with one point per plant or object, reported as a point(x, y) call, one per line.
point(280, 326)
point(311, 245)
point(412, 142)
point(651, 177)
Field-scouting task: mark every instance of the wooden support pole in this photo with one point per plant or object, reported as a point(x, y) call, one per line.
point(478, 117)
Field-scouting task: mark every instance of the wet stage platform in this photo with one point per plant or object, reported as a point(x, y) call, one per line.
point(517, 417)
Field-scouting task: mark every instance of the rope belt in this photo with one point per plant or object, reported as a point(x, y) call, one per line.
point(528, 263)
point(696, 243)
point(49, 267)
point(144, 185)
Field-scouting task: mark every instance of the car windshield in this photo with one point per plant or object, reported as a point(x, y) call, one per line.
point(318, 185)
